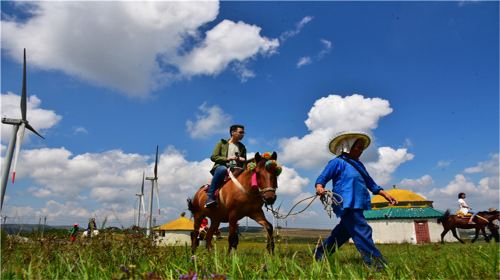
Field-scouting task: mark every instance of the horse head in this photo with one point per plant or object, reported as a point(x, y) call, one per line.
point(265, 171)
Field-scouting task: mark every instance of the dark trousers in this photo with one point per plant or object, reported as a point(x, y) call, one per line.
point(219, 175)
point(352, 225)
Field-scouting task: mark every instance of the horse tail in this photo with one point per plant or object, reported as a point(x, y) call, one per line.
point(444, 217)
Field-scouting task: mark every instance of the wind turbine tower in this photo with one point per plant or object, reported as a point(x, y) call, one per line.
point(154, 184)
point(141, 202)
point(18, 128)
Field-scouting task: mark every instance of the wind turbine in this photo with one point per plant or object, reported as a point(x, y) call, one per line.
point(154, 184)
point(141, 202)
point(18, 128)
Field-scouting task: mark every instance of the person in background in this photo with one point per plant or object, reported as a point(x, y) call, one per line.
point(464, 208)
point(73, 232)
point(91, 226)
point(351, 180)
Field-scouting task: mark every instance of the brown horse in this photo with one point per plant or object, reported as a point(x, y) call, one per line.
point(238, 199)
point(452, 222)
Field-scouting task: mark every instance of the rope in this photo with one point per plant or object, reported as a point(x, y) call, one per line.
point(328, 199)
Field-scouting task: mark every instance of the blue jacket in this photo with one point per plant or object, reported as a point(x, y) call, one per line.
point(348, 183)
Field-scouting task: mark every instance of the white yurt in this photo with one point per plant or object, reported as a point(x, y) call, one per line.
point(412, 220)
point(175, 233)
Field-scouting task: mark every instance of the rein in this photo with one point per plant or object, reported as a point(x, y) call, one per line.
point(328, 199)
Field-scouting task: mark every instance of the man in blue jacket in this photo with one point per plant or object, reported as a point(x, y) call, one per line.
point(351, 180)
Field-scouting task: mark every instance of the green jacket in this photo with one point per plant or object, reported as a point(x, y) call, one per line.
point(219, 155)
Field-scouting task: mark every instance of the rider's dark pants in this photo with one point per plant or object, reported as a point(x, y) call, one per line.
point(219, 175)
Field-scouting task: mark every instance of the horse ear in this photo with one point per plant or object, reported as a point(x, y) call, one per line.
point(274, 156)
point(257, 157)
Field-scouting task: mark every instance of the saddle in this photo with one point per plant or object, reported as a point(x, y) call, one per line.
point(460, 214)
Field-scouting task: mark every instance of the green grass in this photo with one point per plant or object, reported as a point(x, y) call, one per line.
point(128, 257)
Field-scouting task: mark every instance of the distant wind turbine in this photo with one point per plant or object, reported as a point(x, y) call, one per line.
point(141, 202)
point(18, 128)
point(154, 184)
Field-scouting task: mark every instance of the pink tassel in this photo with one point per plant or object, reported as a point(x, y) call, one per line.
point(13, 177)
point(254, 180)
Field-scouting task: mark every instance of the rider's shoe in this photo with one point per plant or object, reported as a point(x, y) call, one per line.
point(472, 223)
point(210, 202)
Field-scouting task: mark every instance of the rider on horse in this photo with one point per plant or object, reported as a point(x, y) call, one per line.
point(227, 153)
point(464, 208)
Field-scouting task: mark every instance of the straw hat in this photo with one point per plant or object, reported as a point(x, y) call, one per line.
point(343, 141)
point(491, 209)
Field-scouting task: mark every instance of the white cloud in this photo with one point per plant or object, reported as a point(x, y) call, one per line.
point(243, 72)
point(328, 116)
point(290, 182)
point(327, 46)
point(226, 42)
point(488, 167)
point(107, 182)
point(389, 160)
point(481, 194)
point(298, 27)
point(128, 46)
point(61, 175)
point(212, 120)
point(419, 183)
point(305, 60)
point(300, 197)
point(443, 163)
point(40, 119)
point(80, 130)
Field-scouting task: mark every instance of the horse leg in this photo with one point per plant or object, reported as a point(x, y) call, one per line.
point(486, 237)
point(454, 231)
point(261, 219)
point(214, 225)
point(475, 236)
point(233, 238)
point(194, 234)
point(443, 234)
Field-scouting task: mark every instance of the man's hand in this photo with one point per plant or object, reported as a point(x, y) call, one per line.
point(236, 158)
point(388, 197)
point(320, 190)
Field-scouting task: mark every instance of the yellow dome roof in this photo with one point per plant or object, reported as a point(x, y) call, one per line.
point(400, 195)
point(182, 223)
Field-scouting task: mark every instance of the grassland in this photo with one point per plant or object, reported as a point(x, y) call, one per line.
point(120, 256)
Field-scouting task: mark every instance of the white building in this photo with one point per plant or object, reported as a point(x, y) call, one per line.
point(412, 220)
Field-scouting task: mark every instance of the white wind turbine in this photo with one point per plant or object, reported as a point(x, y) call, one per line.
point(141, 202)
point(154, 185)
point(18, 128)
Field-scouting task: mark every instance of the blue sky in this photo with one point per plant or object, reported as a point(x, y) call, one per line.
point(109, 85)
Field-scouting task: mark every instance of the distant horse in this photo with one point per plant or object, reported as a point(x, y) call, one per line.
point(241, 197)
point(94, 233)
point(452, 222)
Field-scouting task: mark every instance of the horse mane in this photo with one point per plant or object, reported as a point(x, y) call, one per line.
point(444, 217)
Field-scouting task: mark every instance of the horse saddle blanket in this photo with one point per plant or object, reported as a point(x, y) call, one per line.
point(460, 214)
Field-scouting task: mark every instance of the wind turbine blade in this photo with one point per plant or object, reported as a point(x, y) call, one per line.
point(19, 142)
point(29, 127)
point(157, 197)
point(23, 92)
point(142, 187)
point(156, 163)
